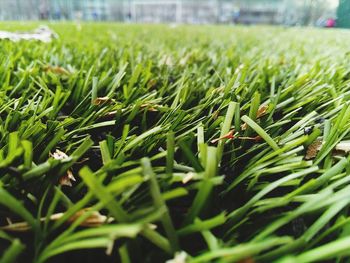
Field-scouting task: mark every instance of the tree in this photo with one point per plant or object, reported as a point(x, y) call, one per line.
point(343, 14)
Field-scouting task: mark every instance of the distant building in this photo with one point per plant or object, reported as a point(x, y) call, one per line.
point(289, 12)
point(208, 11)
point(83, 9)
point(176, 11)
point(260, 12)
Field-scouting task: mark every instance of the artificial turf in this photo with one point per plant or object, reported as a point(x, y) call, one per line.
point(141, 143)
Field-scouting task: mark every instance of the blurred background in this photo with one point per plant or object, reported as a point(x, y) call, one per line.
point(322, 13)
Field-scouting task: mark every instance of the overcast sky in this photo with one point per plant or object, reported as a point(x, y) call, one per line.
point(334, 3)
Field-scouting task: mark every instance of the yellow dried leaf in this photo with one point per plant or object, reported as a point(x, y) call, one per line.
point(229, 135)
point(59, 155)
point(189, 176)
point(343, 146)
point(313, 149)
point(262, 111)
point(68, 177)
point(244, 126)
point(150, 107)
point(56, 70)
point(247, 260)
point(95, 219)
point(100, 100)
point(16, 227)
point(256, 138)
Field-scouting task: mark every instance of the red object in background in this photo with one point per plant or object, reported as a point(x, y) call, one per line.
point(330, 22)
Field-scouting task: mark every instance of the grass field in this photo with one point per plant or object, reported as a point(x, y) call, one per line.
point(136, 143)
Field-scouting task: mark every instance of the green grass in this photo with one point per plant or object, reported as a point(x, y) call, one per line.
point(188, 139)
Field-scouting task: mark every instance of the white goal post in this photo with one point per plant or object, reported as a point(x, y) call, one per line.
point(172, 6)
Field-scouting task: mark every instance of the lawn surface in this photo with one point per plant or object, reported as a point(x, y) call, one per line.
point(127, 143)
